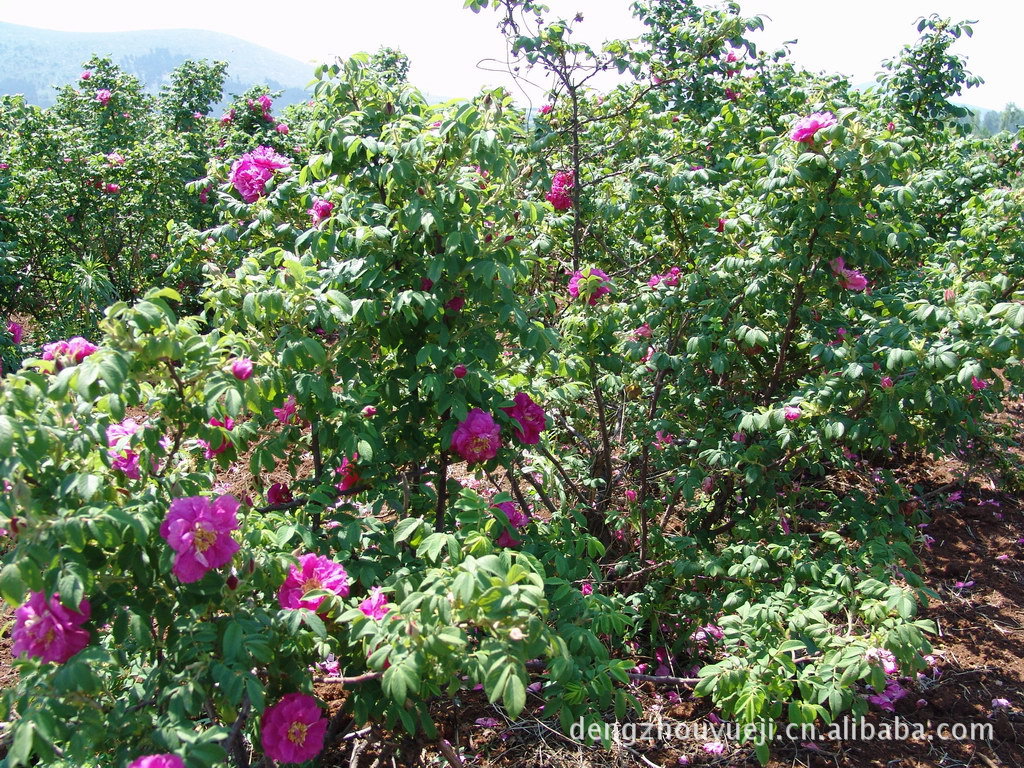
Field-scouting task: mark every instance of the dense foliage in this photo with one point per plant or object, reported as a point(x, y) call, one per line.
point(421, 397)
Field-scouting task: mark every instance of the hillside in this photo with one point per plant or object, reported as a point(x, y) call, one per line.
point(33, 61)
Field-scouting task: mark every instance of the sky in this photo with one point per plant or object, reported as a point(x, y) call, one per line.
point(446, 42)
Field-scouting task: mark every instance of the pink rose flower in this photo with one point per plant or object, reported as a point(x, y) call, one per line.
point(199, 531)
point(369, 411)
point(590, 293)
point(516, 517)
point(587, 588)
point(312, 572)
point(376, 605)
point(103, 96)
point(112, 189)
point(455, 304)
point(426, 284)
point(286, 413)
point(806, 127)
point(739, 437)
point(282, 128)
point(48, 630)
point(630, 495)
point(251, 172)
point(506, 540)
point(118, 439)
point(278, 493)
point(714, 748)
point(241, 368)
point(157, 761)
point(886, 382)
point(320, 211)
point(86, 75)
point(477, 438)
point(293, 729)
point(348, 474)
point(792, 413)
point(16, 330)
point(545, 109)
point(530, 416)
point(459, 371)
point(115, 158)
point(72, 351)
point(228, 117)
point(978, 384)
point(559, 195)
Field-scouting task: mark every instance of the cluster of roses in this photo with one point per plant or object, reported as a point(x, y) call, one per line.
point(559, 196)
point(199, 530)
point(478, 437)
point(251, 172)
point(68, 352)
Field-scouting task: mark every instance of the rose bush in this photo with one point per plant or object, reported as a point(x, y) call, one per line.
point(525, 438)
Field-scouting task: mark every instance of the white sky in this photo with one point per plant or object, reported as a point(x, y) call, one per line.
point(445, 42)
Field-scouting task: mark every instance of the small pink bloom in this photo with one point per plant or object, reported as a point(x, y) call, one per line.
point(545, 109)
point(86, 75)
point(1001, 704)
point(590, 291)
point(199, 531)
point(630, 495)
point(112, 189)
point(251, 172)
point(293, 729)
point(313, 572)
point(587, 588)
point(282, 128)
point(455, 304)
point(531, 418)
point(806, 127)
point(559, 195)
point(978, 384)
point(320, 211)
point(792, 413)
point(115, 158)
point(515, 516)
point(376, 605)
point(369, 411)
point(241, 368)
point(426, 284)
point(886, 382)
point(348, 474)
point(157, 761)
point(286, 413)
point(278, 493)
point(103, 96)
point(459, 371)
point(714, 748)
point(643, 332)
point(506, 540)
point(16, 330)
point(477, 438)
point(48, 630)
point(228, 117)
point(739, 437)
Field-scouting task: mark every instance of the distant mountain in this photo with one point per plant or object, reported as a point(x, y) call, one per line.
point(33, 61)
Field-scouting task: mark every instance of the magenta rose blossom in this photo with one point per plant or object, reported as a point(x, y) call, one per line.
point(559, 196)
point(530, 417)
point(103, 96)
point(320, 211)
point(157, 761)
point(477, 438)
point(806, 127)
point(115, 158)
point(850, 279)
point(507, 540)
point(199, 531)
point(286, 412)
point(72, 351)
point(16, 331)
point(121, 457)
point(283, 129)
point(312, 572)
point(251, 172)
point(348, 477)
point(591, 294)
point(241, 368)
point(48, 630)
point(86, 75)
point(459, 371)
point(792, 413)
point(376, 605)
point(293, 730)
point(516, 517)
point(545, 109)
point(279, 493)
